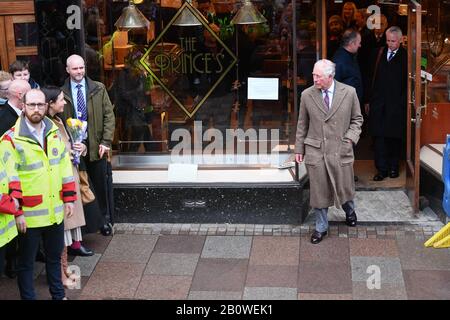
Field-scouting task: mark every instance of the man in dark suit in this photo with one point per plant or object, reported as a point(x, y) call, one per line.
point(13, 106)
point(9, 113)
point(387, 107)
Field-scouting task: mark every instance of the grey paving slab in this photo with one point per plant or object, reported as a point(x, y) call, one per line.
point(179, 244)
point(387, 291)
point(235, 247)
point(214, 295)
point(130, 248)
point(414, 256)
point(270, 293)
point(390, 269)
point(177, 264)
point(86, 264)
point(220, 275)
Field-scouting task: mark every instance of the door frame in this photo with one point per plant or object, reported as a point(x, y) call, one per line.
point(414, 103)
point(12, 12)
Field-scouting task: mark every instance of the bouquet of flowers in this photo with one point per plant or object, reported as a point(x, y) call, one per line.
point(77, 131)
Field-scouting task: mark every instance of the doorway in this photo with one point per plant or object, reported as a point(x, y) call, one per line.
point(340, 16)
point(18, 35)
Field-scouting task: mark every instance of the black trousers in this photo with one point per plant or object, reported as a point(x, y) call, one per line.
point(101, 179)
point(387, 153)
point(53, 237)
point(2, 259)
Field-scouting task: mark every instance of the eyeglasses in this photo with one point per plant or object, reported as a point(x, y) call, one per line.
point(40, 106)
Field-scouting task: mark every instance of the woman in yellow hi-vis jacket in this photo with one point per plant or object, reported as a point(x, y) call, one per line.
point(8, 209)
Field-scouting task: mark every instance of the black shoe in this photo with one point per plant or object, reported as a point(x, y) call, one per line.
point(394, 174)
point(355, 178)
point(317, 236)
point(106, 229)
point(11, 268)
point(82, 252)
point(380, 176)
point(351, 219)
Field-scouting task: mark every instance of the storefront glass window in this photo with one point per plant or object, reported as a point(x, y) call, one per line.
point(183, 88)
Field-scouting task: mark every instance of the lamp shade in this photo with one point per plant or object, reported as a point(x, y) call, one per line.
point(248, 14)
point(131, 18)
point(187, 17)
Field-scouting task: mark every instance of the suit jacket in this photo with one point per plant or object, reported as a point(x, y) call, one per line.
point(387, 115)
point(101, 120)
point(8, 118)
point(322, 137)
point(347, 70)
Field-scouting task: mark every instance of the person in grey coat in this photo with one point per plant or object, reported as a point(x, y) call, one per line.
point(329, 124)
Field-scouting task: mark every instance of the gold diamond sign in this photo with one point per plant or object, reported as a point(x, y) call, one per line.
point(168, 62)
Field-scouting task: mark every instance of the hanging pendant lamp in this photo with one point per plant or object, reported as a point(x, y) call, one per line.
point(248, 14)
point(131, 18)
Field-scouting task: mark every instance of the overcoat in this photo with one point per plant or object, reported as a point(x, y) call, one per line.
point(387, 115)
point(101, 119)
point(323, 138)
point(77, 219)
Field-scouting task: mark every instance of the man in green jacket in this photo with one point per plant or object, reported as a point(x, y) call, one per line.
point(88, 100)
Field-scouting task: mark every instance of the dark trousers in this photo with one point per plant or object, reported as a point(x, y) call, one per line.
point(53, 237)
point(2, 259)
point(98, 173)
point(11, 253)
point(387, 153)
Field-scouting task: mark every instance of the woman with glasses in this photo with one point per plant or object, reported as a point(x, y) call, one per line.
point(72, 226)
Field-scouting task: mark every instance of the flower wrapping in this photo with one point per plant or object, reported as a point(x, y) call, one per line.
point(77, 130)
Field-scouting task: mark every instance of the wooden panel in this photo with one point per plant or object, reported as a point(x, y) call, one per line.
point(24, 19)
point(10, 41)
point(3, 47)
point(435, 123)
point(26, 51)
point(16, 7)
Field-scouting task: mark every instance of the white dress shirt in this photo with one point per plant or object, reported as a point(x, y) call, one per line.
point(389, 53)
point(39, 136)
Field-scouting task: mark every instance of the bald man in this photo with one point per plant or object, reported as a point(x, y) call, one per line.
point(88, 100)
point(13, 107)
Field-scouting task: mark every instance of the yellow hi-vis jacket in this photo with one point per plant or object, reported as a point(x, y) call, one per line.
point(8, 229)
point(44, 176)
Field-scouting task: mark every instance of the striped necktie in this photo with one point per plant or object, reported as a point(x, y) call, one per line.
point(81, 104)
point(326, 100)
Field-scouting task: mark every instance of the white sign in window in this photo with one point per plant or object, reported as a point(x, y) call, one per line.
point(262, 88)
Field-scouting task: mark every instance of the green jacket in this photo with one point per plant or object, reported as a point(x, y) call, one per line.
point(101, 120)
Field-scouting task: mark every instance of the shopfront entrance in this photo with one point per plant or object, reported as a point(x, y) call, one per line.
point(205, 97)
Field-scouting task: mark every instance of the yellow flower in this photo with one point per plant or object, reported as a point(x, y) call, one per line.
point(74, 123)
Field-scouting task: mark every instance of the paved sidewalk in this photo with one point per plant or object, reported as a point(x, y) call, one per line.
point(197, 261)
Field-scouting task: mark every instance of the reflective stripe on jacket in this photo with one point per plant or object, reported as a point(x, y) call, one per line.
point(42, 175)
point(8, 229)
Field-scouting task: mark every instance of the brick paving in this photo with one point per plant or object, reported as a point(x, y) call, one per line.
point(251, 261)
